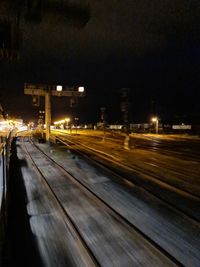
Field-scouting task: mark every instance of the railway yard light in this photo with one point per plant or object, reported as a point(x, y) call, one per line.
point(81, 89)
point(59, 88)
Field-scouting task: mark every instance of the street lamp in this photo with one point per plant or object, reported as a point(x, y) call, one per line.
point(155, 120)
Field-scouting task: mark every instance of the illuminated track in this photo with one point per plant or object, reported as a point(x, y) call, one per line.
point(150, 182)
point(166, 147)
point(185, 155)
point(92, 260)
point(176, 223)
point(129, 231)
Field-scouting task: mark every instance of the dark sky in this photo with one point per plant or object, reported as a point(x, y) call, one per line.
point(151, 47)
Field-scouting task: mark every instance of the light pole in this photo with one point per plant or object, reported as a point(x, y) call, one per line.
point(155, 120)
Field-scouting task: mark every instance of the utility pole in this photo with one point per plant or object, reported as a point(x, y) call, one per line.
point(125, 92)
point(52, 90)
point(103, 109)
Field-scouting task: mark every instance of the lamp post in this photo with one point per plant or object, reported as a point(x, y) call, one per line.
point(155, 120)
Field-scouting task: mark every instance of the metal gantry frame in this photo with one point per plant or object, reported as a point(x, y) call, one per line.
point(48, 91)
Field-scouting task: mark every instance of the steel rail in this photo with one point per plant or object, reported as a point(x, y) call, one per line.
point(64, 213)
point(110, 158)
point(109, 207)
point(189, 155)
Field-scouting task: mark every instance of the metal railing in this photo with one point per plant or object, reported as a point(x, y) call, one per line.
point(5, 145)
point(3, 178)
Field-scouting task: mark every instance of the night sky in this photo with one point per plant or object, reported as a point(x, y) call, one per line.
point(149, 46)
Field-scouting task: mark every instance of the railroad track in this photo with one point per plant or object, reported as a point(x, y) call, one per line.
point(130, 236)
point(184, 155)
point(152, 183)
point(156, 145)
point(90, 258)
point(172, 148)
point(141, 226)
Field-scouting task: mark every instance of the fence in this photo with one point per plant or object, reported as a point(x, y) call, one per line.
point(5, 144)
point(3, 172)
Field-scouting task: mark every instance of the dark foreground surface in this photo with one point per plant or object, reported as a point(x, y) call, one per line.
point(173, 230)
point(19, 246)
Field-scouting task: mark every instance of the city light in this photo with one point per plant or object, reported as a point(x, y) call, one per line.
point(59, 122)
point(62, 124)
point(67, 119)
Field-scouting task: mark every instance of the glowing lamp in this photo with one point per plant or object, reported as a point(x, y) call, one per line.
point(59, 88)
point(81, 89)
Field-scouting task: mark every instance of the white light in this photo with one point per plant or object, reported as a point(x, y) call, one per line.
point(155, 119)
point(81, 89)
point(59, 88)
